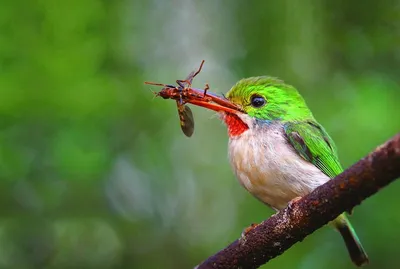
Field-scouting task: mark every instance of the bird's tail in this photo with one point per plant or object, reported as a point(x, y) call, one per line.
point(353, 244)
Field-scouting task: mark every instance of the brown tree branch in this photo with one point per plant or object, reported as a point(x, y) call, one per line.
point(278, 233)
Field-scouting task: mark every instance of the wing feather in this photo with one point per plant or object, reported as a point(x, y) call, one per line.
point(313, 144)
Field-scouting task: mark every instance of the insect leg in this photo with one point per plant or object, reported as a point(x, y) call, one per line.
point(158, 84)
point(198, 70)
point(206, 88)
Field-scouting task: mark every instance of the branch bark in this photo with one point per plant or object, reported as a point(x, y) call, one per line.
point(282, 230)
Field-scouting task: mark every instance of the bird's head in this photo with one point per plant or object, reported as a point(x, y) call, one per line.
point(261, 100)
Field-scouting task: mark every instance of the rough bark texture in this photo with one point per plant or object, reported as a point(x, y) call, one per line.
point(278, 233)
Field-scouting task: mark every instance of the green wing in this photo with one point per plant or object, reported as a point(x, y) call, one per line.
point(311, 142)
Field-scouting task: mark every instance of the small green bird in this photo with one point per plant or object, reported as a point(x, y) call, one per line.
point(278, 150)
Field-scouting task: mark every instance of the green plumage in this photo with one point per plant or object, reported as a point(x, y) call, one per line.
point(282, 103)
point(313, 144)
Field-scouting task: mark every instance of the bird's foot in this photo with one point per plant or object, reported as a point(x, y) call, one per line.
point(293, 201)
point(242, 238)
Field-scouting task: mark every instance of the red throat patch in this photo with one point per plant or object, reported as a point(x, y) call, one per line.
point(235, 125)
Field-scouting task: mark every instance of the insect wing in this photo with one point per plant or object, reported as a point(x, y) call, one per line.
point(190, 78)
point(186, 120)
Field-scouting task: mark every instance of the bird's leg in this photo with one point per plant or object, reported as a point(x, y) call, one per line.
point(245, 231)
point(248, 229)
point(293, 201)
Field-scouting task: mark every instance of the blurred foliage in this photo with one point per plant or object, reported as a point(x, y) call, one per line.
point(96, 174)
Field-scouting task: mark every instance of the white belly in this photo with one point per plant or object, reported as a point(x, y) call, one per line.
point(269, 168)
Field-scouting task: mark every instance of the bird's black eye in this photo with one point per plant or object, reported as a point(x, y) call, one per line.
point(257, 101)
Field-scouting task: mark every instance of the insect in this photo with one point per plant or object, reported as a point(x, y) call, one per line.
point(180, 94)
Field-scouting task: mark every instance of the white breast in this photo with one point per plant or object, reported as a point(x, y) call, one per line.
point(269, 168)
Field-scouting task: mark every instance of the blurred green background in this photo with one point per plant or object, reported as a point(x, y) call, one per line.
point(95, 172)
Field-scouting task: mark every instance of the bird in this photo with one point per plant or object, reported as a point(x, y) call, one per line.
point(277, 149)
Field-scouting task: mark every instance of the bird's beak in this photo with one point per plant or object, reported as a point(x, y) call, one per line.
point(212, 101)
